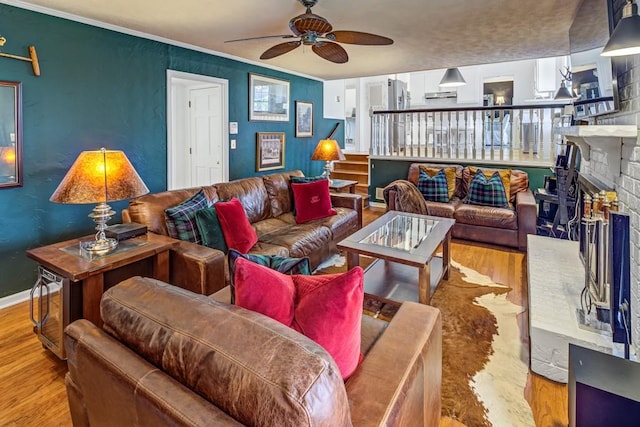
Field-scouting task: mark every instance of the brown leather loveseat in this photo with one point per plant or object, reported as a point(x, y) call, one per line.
point(267, 201)
point(500, 226)
point(167, 356)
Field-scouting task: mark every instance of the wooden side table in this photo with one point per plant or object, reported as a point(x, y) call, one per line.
point(343, 185)
point(146, 255)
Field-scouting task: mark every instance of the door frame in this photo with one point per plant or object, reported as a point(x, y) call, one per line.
point(175, 78)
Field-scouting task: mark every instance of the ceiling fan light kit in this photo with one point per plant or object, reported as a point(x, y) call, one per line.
point(452, 78)
point(315, 31)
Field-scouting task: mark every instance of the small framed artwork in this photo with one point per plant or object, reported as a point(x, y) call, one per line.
point(268, 99)
point(269, 151)
point(304, 119)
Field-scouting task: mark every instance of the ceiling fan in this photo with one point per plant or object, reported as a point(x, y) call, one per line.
point(315, 31)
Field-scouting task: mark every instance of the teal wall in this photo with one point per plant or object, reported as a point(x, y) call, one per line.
point(103, 88)
point(385, 171)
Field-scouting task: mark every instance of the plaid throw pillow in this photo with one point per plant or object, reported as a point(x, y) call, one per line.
point(434, 188)
point(181, 219)
point(487, 192)
point(278, 263)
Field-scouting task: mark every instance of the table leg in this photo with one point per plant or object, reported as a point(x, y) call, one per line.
point(161, 266)
point(92, 290)
point(353, 260)
point(446, 256)
point(352, 189)
point(424, 284)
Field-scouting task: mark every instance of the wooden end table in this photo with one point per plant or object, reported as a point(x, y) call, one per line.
point(146, 255)
point(343, 185)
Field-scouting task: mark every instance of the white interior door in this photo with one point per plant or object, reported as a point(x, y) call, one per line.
point(206, 135)
point(197, 137)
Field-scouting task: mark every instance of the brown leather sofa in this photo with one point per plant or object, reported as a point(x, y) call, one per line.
point(167, 356)
point(267, 200)
point(499, 226)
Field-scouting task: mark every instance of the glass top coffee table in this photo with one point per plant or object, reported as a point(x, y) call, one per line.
point(405, 245)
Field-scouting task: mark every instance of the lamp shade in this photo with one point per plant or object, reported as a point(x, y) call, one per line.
point(452, 78)
point(328, 150)
point(625, 39)
point(99, 177)
point(563, 93)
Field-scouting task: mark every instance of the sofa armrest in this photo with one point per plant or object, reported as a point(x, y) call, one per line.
point(527, 211)
point(197, 268)
point(348, 200)
point(399, 381)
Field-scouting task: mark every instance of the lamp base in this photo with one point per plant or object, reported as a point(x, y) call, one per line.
point(100, 247)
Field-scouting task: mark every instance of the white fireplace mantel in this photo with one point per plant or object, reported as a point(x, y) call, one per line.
point(605, 138)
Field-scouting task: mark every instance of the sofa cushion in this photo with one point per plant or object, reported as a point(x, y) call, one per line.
point(210, 229)
point(326, 308)
point(281, 264)
point(312, 201)
point(434, 187)
point(278, 187)
point(487, 216)
point(487, 191)
point(203, 344)
point(300, 239)
point(445, 210)
point(238, 233)
point(252, 194)
point(181, 219)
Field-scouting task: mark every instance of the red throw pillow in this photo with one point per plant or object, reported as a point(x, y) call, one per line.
point(264, 290)
point(238, 232)
point(329, 311)
point(312, 201)
point(326, 308)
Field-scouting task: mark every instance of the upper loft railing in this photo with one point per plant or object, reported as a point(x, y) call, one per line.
point(522, 134)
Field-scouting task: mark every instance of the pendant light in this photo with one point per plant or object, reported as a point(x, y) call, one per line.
point(563, 93)
point(625, 39)
point(452, 78)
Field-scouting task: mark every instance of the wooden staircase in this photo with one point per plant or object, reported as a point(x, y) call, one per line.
point(354, 168)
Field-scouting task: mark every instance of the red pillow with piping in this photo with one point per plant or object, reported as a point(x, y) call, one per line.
point(326, 308)
point(312, 201)
point(238, 232)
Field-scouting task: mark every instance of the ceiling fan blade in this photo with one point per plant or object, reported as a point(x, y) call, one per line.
point(284, 36)
point(280, 49)
point(331, 52)
point(357, 37)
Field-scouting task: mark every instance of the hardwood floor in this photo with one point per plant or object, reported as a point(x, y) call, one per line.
point(32, 388)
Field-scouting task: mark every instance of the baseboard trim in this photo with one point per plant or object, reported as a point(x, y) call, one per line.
point(378, 204)
point(14, 299)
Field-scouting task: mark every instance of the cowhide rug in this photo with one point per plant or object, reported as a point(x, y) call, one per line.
point(484, 371)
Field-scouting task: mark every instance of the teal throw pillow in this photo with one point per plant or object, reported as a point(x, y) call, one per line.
point(434, 188)
point(278, 263)
point(210, 230)
point(487, 192)
point(302, 180)
point(181, 219)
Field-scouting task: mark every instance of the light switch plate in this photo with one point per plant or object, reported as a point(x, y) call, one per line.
point(233, 128)
point(233, 144)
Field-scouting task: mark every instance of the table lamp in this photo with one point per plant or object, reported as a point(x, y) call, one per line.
point(327, 150)
point(99, 177)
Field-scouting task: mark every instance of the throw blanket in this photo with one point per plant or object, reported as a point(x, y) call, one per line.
point(407, 197)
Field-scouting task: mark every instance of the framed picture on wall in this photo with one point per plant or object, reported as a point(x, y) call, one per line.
point(304, 119)
point(268, 99)
point(269, 151)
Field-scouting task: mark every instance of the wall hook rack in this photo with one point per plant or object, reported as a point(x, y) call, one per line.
point(33, 57)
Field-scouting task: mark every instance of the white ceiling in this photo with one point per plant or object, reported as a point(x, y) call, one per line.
point(428, 34)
